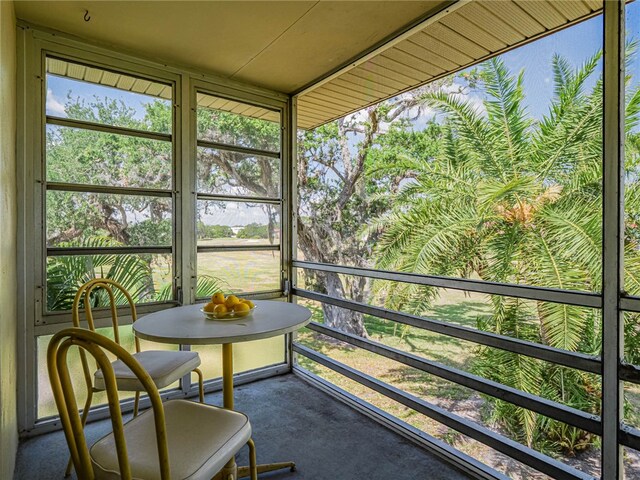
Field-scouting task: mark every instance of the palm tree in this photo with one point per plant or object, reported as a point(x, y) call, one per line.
point(516, 200)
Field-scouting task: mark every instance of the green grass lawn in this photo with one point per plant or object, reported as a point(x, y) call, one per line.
point(238, 272)
point(241, 271)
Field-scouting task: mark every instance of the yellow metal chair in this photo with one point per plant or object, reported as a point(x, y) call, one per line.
point(175, 440)
point(164, 367)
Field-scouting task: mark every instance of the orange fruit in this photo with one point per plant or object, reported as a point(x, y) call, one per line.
point(241, 309)
point(220, 310)
point(248, 302)
point(209, 307)
point(231, 301)
point(217, 298)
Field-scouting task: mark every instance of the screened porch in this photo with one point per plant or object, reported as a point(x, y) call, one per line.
point(448, 189)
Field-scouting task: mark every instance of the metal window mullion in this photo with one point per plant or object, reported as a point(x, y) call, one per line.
point(575, 360)
point(99, 127)
point(293, 196)
point(31, 92)
point(543, 406)
point(183, 205)
point(238, 198)
point(238, 149)
point(583, 299)
point(613, 235)
point(289, 213)
point(505, 445)
point(89, 188)
point(75, 251)
point(189, 197)
point(237, 248)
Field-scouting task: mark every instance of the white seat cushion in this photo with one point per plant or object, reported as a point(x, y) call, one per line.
point(164, 367)
point(201, 439)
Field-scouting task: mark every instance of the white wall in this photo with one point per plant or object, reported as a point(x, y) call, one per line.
point(8, 279)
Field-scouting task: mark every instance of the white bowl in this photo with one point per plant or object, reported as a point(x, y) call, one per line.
point(227, 316)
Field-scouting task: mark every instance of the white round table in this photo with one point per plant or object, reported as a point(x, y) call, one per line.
point(187, 325)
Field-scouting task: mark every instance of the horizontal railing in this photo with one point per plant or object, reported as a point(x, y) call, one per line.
point(629, 436)
point(238, 149)
point(101, 127)
point(107, 189)
point(120, 250)
point(629, 303)
point(551, 409)
point(579, 361)
point(588, 422)
point(217, 197)
point(53, 320)
point(237, 248)
point(257, 295)
point(569, 297)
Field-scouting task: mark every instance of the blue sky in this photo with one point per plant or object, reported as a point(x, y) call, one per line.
point(577, 44)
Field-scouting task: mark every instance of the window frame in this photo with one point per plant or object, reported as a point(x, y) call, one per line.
point(205, 88)
point(34, 45)
point(174, 192)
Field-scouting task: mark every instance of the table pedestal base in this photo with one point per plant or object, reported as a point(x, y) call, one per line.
point(233, 472)
point(266, 467)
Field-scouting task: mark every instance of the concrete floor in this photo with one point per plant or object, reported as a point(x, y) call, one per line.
point(291, 420)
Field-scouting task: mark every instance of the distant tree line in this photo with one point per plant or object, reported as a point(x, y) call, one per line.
point(252, 230)
point(213, 231)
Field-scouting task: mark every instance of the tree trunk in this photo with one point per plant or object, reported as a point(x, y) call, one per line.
point(344, 320)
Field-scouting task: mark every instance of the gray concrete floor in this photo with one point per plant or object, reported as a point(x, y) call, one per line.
point(291, 420)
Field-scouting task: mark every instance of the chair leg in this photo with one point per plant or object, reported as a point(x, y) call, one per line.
point(83, 420)
point(252, 460)
point(136, 404)
point(200, 383)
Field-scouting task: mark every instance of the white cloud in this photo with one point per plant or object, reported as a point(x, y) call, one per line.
point(54, 106)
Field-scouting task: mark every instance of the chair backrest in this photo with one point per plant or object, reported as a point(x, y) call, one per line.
point(85, 291)
point(96, 345)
